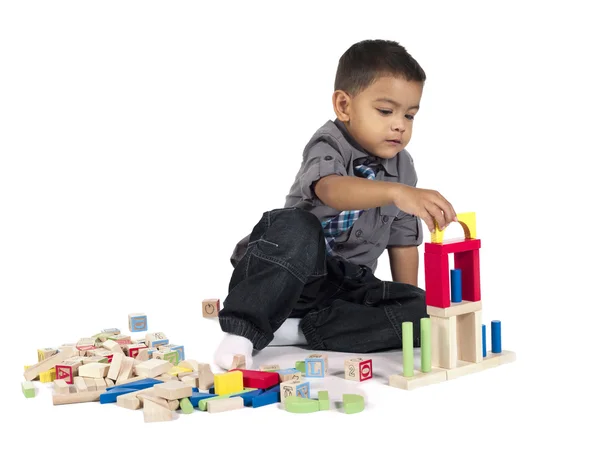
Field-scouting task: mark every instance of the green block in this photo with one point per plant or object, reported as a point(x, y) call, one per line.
point(324, 400)
point(186, 405)
point(301, 405)
point(301, 366)
point(353, 403)
point(407, 349)
point(202, 403)
point(28, 389)
point(425, 344)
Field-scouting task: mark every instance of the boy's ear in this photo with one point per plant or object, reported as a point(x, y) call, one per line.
point(341, 105)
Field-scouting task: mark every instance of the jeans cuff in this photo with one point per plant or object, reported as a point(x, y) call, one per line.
point(310, 333)
point(239, 327)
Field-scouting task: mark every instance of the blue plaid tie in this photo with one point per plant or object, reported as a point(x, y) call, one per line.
point(342, 222)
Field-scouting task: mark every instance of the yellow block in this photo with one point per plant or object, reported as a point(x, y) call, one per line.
point(466, 220)
point(176, 370)
point(229, 382)
point(48, 376)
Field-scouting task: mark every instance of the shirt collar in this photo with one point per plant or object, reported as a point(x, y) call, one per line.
point(389, 165)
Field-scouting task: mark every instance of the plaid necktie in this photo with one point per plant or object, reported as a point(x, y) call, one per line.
point(342, 222)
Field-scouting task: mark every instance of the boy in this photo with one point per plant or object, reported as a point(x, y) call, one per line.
point(353, 197)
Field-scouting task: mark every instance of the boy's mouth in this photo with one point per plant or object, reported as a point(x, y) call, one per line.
point(395, 141)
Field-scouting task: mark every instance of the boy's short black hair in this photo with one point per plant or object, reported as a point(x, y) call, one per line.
point(366, 61)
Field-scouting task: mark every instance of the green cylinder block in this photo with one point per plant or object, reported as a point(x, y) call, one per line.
point(425, 344)
point(407, 349)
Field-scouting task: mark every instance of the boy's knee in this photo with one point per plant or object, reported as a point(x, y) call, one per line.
point(297, 219)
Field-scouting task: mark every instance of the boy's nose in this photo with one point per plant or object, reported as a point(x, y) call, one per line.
point(399, 125)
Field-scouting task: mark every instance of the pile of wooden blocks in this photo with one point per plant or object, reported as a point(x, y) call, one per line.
point(153, 375)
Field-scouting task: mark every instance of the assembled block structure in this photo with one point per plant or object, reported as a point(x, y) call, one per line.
point(453, 336)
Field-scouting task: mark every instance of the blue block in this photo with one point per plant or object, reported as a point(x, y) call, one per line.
point(197, 396)
point(315, 367)
point(496, 338)
point(303, 390)
point(248, 396)
point(456, 282)
point(179, 349)
point(267, 398)
point(211, 390)
point(138, 323)
point(483, 341)
point(137, 385)
point(111, 397)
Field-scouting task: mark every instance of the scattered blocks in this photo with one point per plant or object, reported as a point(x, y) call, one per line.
point(300, 405)
point(324, 403)
point(239, 362)
point(226, 404)
point(316, 365)
point(295, 389)
point(138, 322)
point(211, 307)
point(229, 382)
point(153, 340)
point(289, 375)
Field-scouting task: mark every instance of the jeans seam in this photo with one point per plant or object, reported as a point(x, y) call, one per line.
point(284, 265)
point(390, 315)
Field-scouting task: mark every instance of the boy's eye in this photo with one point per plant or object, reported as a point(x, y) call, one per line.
point(385, 112)
point(410, 117)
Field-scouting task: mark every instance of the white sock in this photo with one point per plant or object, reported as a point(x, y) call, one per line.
point(230, 346)
point(288, 334)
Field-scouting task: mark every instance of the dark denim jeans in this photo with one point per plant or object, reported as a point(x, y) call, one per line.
point(343, 307)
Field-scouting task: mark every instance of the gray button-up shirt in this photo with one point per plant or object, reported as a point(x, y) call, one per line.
point(332, 150)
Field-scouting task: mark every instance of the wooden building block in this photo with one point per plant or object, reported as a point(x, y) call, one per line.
point(419, 379)
point(153, 368)
point(109, 382)
point(225, 404)
point(126, 369)
point(131, 400)
point(353, 403)
point(115, 366)
point(94, 370)
point(174, 348)
point(100, 384)
point(138, 322)
point(239, 362)
point(78, 397)
point(455, 309)
point(112, 346)
point(28, 389)
point(61, 386)
point(153, 412)
point(155, 339)
point(171, 356)
point(85, 344)
point(269, 367)
point(80, 384)
point(291, 374)
point(173, 390)
point(297, 388)
point(316, 365)
point(469, 339)
point(444, 353)
point(47, 364)
point(358, 369)
point(45, 353)
point(211, 307)
point(490, 361)
point(90, 384)
point(190, 380)
point(300, 405)
point(228, 382)
point(48, 376)
point(178, 371)
point(67, 370)
point(205, 375)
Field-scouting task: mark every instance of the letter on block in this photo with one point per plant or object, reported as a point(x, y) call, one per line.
point(138, 322)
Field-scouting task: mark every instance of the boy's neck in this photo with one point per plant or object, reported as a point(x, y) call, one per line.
point(342, 127)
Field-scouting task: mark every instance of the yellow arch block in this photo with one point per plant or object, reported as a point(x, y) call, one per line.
point(466, 220)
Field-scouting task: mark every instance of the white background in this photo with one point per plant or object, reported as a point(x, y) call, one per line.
point(141, 140)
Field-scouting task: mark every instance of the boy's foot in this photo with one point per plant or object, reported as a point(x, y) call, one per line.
point(289, 333)
point(230, 346)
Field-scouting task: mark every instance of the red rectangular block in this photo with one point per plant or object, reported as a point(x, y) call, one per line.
point(468, 263)
point(258, 379)
point(452, 246)
point(437, 280)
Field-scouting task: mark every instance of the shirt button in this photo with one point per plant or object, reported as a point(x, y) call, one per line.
point(359, 233)
point(328, 158)
point(385, 219)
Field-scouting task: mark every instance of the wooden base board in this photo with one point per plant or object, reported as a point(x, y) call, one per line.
point(437, 375)
point(419, 379)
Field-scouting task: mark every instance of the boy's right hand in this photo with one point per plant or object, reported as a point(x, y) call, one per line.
point(427, 204)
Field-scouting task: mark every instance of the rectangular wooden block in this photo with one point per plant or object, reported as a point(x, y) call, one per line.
point(490, 361)
point(469, 339)
point(211, 307)
point(138, 322)
point(455, 309)
point(225, 404)
point(173, 390)
point(153, 368)
point(444, 353)
point(94, 370)
point(47, 364)
point(126, 369)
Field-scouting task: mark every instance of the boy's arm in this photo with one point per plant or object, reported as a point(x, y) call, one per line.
point(404, 264)
point(346, 193)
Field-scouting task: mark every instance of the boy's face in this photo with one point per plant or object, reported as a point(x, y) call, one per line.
point(380, 117)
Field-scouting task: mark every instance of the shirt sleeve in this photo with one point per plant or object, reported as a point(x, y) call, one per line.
point(406, 230)
point(319, 161)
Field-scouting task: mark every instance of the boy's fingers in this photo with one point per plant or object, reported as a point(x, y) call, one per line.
point(428, 221)
point(436, 213)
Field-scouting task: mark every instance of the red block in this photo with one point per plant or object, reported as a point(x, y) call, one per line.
point(468, 263)
point(452, 246)
point(365, 369)
point(258, 379)
point(437, 280)
point(64, 373)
